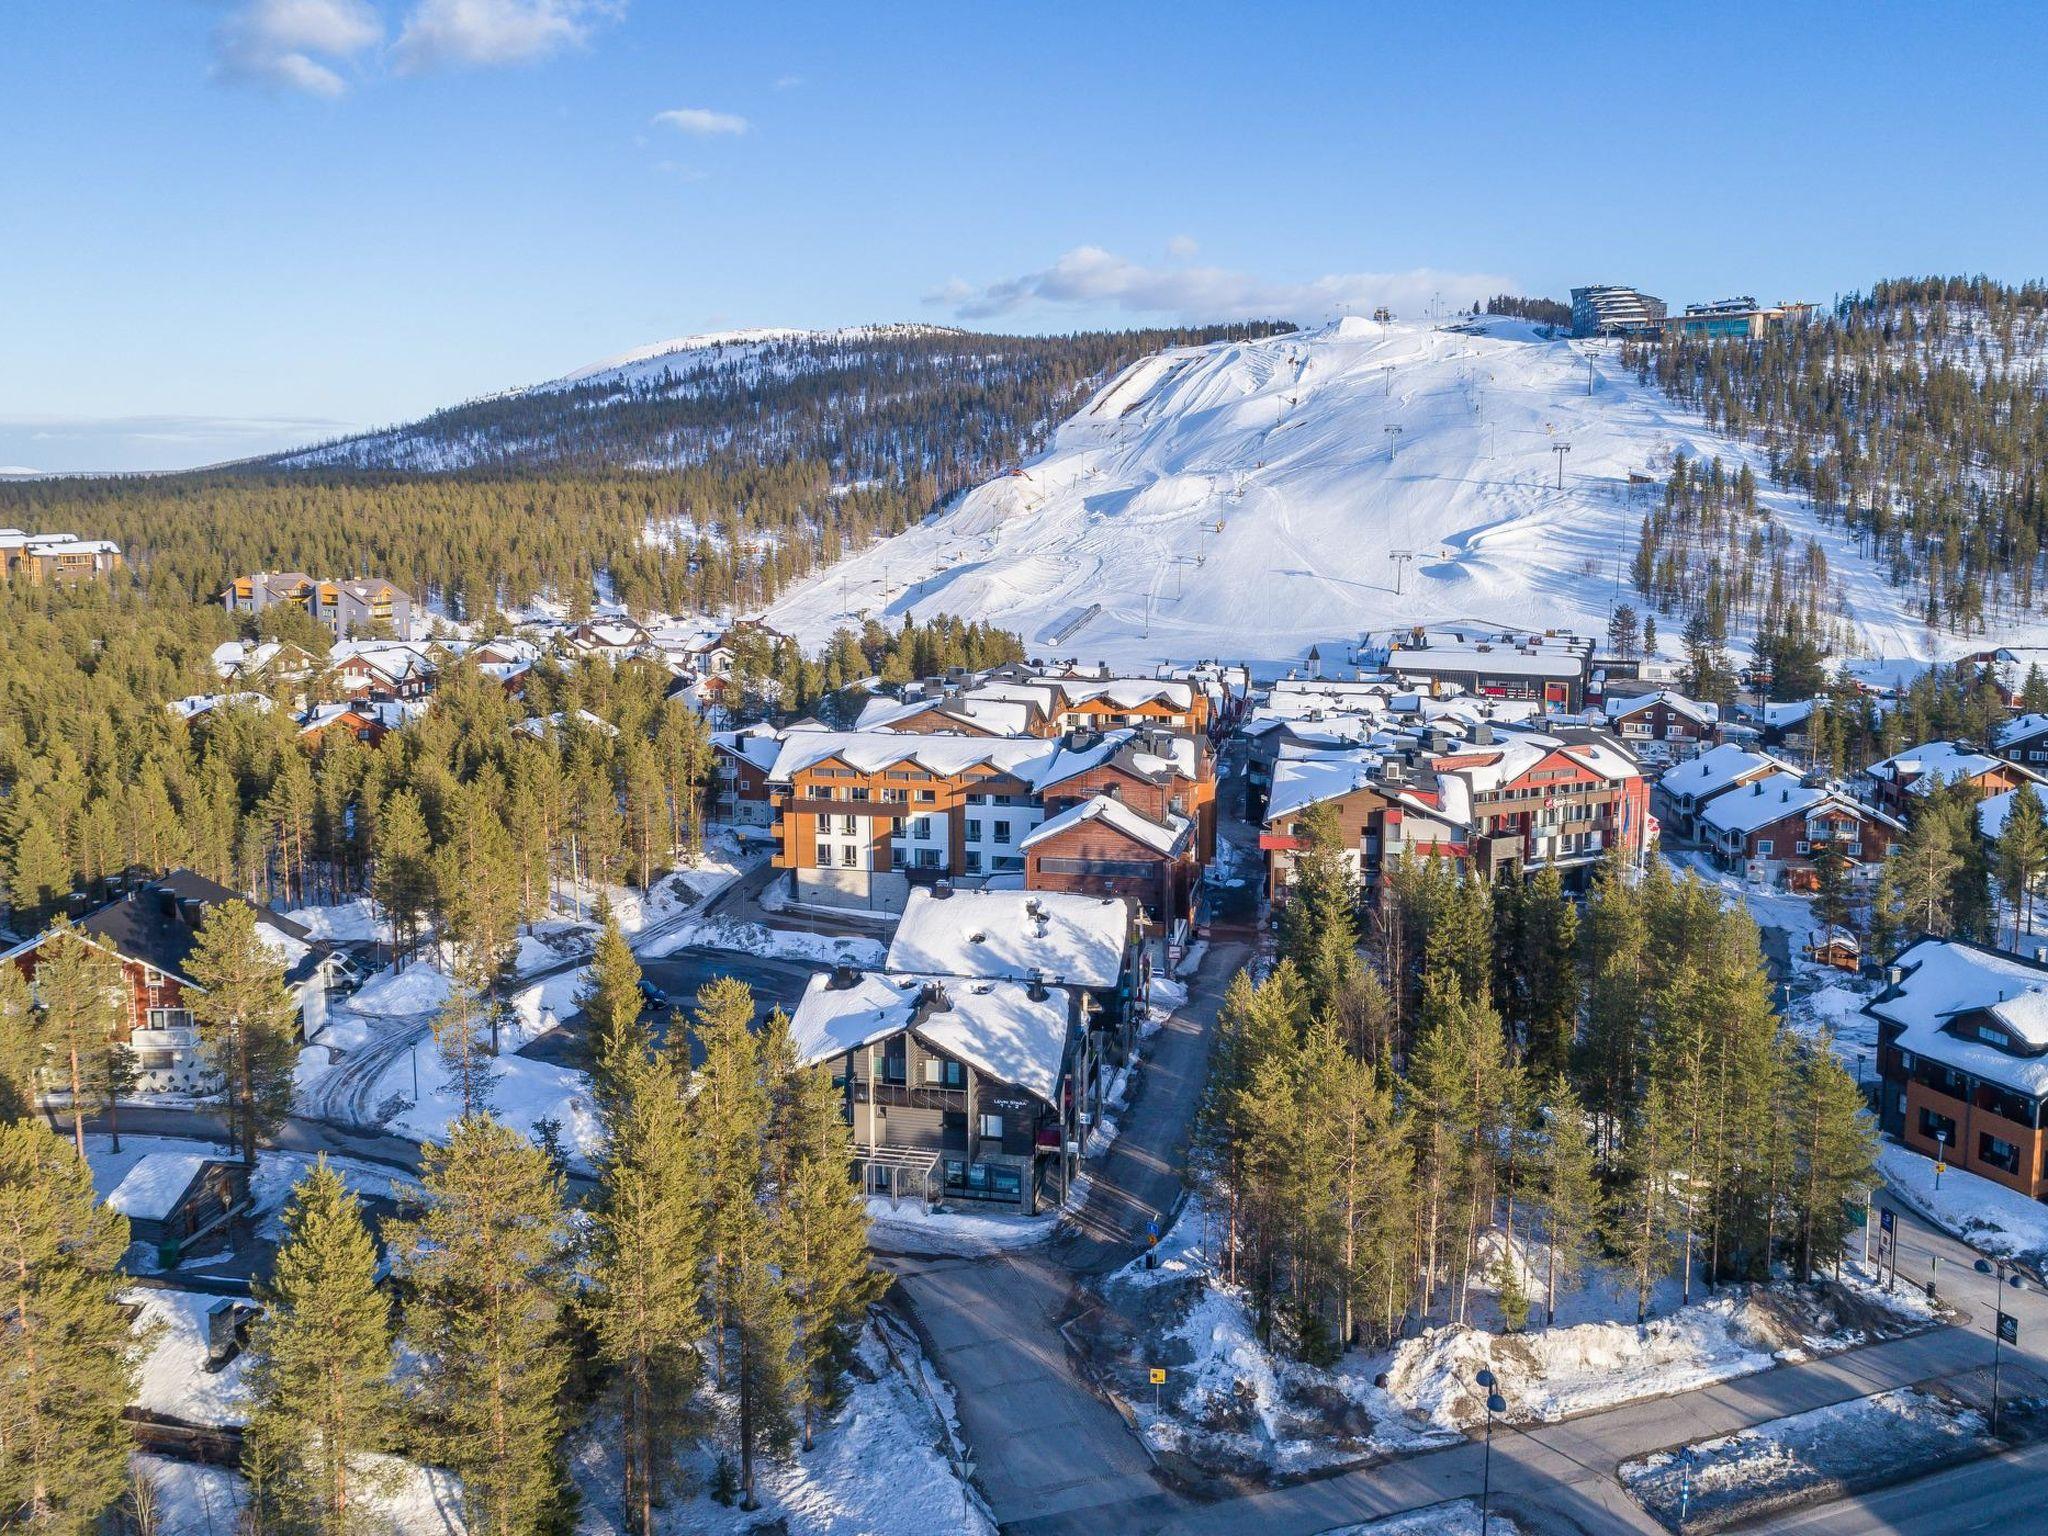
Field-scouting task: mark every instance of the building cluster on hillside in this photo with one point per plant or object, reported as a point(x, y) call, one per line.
point(1608, 309)
point(366, 606)
point(1046, 777)
point(48, 559)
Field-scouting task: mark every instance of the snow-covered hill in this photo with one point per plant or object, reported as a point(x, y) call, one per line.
point(749, 351)
point(1249, 499)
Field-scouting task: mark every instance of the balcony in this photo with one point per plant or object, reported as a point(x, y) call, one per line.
point(910, 1095)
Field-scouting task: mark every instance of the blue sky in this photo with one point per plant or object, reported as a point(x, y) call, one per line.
point(238, 224)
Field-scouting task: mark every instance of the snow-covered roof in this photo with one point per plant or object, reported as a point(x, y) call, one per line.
point(1934, 763)
point(758, 744)
point(1620, 707)
point(1112, 812)
point(1762, 802)
point(152, 1188)
point(1013, 935)
point(541, 726)
point(1300, 782)
point(2019, 728)
point(1129, 692)
point(1717, 769)
point(944, 756)
point(997, 1027)
point(194, 705)
point(1500, 661)
point(1943, 978)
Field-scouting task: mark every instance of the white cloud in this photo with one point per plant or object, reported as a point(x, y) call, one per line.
point(788, 82)
point(1182, 247)
point(294, 44)
point(1092, 276)
point(702, 121)
point(484, 34)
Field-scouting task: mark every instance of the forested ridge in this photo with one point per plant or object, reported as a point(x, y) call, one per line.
point(1913, 416)
point(766, 473)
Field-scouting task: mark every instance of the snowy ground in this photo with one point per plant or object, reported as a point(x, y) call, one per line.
point(1232, 1405)
point(1826, 1453)
point(349, 922)
point(172, 1380)
point(194, 1500)
point(756, 939)
point(888, 1465)
point(1241, 499)
point(1987, 1216)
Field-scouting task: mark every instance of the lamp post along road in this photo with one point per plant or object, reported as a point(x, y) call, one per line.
point(2005, 1328)
point(1495, 1403)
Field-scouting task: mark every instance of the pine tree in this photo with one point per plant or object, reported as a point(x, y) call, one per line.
point(66, 1351)
point(1568, 1185)
point(246, 1022)
point(487, 1261)
point(77, 983)
point(472, 1072)
point(1319, 921)
point(1920, 879)
point(1834, 1152)
point(644, 1268)
point(732, 1119)
point(610, 1002)
point(38, 873)
point(2020, 855)
point(321, 1365)
point(402, 870)
point(1617, 940)
point(1638, 1230)
point(21, 1045)
point(761, 1337)
point(1549, 968)
point(825, 1265)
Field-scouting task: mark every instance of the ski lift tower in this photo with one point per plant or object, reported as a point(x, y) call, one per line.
point(1401, 559)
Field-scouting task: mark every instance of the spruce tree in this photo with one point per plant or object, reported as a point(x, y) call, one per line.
point(247, 1021)
point(761, 1336)
point(321, 1365)
point(402, 870)
point(487, 1260)
point(2020, 855)
point(66, 1351)
point(1550, 971)
point(21, 1045)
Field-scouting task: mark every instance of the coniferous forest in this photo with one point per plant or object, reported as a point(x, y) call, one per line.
point(1913, 416)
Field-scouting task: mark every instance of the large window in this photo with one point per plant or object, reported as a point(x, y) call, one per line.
point(1937, 1127)
point(992, 1127)
point(1999, 1154)
point(1002, 830)
point(983, 1181)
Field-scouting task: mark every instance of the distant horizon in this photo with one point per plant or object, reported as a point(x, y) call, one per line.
point(271, 222)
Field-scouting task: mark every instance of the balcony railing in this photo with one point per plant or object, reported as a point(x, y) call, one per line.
point(910, 1095)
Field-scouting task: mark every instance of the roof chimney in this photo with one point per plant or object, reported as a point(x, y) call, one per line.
point(844, 978)
point(1036, 991)
point(941, 889)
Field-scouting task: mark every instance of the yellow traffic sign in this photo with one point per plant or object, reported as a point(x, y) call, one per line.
point(1158, 1376)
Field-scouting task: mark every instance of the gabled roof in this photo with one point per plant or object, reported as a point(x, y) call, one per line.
point(1013, 936)
point(1942, 978)
point(1161, 838)
point(997, 1027)
point(1718, 769)
point(150, 924)
point(1763, 801)
point(1619, 708)
point(1937, 762)
point(943, 756)
point(1300, 782)
point(153, 1188)
point(2019, 728)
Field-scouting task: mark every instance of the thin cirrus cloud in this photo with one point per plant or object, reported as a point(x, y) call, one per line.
point(1089, 275)
point(702, 121)
point(317, 46)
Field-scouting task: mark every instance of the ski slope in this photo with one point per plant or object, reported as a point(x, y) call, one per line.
point(1247, 499)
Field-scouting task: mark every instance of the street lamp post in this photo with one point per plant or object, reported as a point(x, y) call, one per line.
point(2001, 1320)
point(1495, 1403)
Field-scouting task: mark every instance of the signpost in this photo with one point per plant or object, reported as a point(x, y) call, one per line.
point(1158, 1375)
point(1888, 1245)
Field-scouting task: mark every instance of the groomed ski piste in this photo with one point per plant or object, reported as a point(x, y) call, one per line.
point(1249, 499)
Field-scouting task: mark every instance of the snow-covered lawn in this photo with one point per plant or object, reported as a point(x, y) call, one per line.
point(885, 1466)
point(349, 922)
point(1983, 1214)
point(1826, 1453)
point(526, 1092)
point(172, 1380)
point(910, 1226)
point(194, 1500)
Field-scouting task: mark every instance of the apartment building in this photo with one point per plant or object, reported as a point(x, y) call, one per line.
point(344, 608)
point(1962, 1054)
point(957, 1091)
point(1610, 309)
point(1684, 791)
point(1784, 824)
point(1897, 784)
point(1103, 846)
point(1531, 801)
point(1662, 727)
point(1382, 811)
point(52, 559)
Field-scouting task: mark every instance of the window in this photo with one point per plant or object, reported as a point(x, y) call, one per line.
point(1802, 846)
point(973, 831)
point(974, 861)
point(1937, 1127)
point(992, 1127)
point(1764, 847)
point(824, 855)
point(848, 826)
point(858, 792)
point(899, 857)
point(849, 856)
point(922, 829)
point(927, 796)
point(895, 795)
point(927, 858)
point(892, 1062)
point(1002, 831)
point(1999, 1154)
